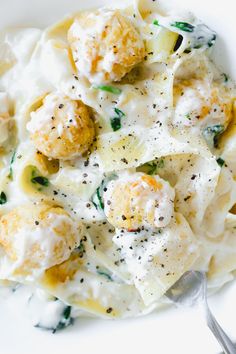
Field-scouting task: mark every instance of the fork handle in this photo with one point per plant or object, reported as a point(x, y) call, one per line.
point(222, 338)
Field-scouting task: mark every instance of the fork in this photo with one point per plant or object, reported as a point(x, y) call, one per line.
point(191, 289)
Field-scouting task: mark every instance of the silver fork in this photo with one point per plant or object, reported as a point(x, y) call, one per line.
point(191, 289)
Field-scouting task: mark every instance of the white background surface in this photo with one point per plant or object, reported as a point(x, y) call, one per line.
point(173, 331)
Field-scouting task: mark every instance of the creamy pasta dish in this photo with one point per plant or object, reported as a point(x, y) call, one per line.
point(117, 162)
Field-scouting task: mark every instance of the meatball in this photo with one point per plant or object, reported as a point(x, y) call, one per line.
point(136, 200)
point(35, 237)
point(105, 45)
point(61, 128)
point(199, 103)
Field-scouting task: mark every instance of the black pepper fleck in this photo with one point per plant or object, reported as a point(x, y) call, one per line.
point(109, 310)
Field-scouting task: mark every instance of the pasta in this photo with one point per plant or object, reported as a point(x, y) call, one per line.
point(117, 171)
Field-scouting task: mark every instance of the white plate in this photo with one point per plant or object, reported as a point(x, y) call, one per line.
point(172, 331)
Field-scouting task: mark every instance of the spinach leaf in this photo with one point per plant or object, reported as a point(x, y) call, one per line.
point(188, 116)
point(156, 23)
point(37, 179)
point(15, 287)
point(3, 198)
point(212, 134)
point(119, 112)
point(152, 167)
point(220, 162)
point(211, 40)
point(97, 197)
point(105, 274)
point(116, 121)
point(111, 89)
point(202, 36)
point(225, 77)
point(43, 181)
point(65, 321)
point(10, 176)
point(183, 26)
